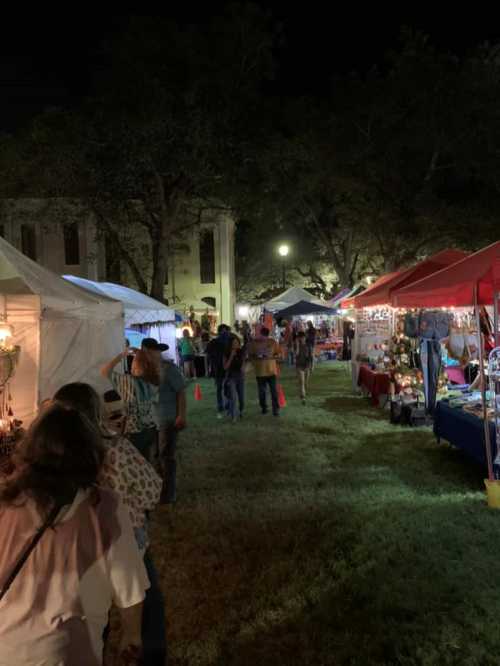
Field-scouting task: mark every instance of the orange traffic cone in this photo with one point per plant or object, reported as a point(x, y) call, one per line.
point(281, 396)
point(197, 392)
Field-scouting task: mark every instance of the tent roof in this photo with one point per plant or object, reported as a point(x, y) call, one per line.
point(289, 297)
point(352, 302)
point(381, 292)
point(454, 286)
point(139, 308)
point(20, 275)
point(305, 308)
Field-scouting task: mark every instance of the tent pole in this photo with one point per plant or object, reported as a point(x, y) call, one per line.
point(486, 423)
point(495, 319)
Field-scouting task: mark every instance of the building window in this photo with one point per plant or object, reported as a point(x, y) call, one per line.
point(71, 244)
point(28, 241)
point(210, 301)
point(207, 257)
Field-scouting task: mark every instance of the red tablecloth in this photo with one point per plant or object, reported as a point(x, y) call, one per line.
point(375, 383)
point(455, 374)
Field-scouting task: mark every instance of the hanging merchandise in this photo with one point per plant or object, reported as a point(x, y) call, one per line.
point(411, 325)
point(430, 358)
point(434, 324)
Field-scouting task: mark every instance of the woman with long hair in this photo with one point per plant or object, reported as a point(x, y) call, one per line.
point(54, 601)
point(128, 473)
point(138, 390)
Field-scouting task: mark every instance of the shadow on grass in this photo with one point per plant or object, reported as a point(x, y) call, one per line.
point(409, 587)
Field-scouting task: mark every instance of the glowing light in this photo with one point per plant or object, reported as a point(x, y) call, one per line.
point(5, 331)
point(243, 311)
point(283, 250)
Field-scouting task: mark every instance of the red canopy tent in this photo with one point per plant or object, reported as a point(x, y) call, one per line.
point(454, 286)
point(474, 280)
point(380, 293)
point(351, 302)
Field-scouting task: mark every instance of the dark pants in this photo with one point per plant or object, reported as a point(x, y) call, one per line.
point(236, 391)
point(145, 442)
point(430, 358)
point(262, 383)
point(154, 642)
point(168, 463)
point(219, 383)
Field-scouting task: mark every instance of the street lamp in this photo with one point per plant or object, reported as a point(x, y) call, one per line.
point(284, 251)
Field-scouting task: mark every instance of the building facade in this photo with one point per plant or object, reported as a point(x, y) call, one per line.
point(62, 236)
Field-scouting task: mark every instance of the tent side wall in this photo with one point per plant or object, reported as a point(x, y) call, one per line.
point(23, 314)
point(74, 348)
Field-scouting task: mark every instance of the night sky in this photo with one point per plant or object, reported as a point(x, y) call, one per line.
point(49, 59)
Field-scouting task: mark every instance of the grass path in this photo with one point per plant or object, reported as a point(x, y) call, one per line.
point(327, 536)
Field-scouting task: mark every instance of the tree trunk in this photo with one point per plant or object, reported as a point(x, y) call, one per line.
point(161, 243)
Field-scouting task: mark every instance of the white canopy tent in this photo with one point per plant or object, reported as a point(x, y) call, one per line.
point(141, 312)
point(65, 334)
point(290, 297)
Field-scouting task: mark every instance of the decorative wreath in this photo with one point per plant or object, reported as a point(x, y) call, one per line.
point(9, 358)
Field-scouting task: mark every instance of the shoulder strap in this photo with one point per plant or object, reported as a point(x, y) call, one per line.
point(29, 549)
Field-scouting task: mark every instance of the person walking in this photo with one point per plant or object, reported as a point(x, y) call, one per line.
point(125, 471)
point(170, 413)
point(138, 390)
point(264, 354)
point(234, 360)
point(303, 364)
point(216, 349)
point(311, 335)
point(55, 601)
point(188, 355)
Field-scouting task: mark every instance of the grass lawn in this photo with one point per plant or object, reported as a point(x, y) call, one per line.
point(327, 536)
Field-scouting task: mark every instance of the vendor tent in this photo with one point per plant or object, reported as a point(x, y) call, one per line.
point(64, 333)
point(350, 302)
point(145, 314)
point(304, 308)
point(454, 286)
point(290, 297)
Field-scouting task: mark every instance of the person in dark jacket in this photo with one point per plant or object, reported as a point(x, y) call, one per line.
point(216, 349)
point(234, 361)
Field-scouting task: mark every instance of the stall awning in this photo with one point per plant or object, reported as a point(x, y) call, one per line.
point(380, 294)
point(349, 303)
point(454, 286)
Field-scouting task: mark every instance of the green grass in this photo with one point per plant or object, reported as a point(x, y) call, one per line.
point(327, 536)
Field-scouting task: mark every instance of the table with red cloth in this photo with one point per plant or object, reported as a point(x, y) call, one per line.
point(375, 383)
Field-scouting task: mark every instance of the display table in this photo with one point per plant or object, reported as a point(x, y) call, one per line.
point(373, 382)
point(463, 430)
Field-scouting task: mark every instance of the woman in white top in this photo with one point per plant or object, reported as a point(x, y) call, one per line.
point(56, 609)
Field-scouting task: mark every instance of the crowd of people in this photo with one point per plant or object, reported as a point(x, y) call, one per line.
point(75, 509)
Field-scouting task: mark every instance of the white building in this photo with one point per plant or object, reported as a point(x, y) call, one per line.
point(62, 236)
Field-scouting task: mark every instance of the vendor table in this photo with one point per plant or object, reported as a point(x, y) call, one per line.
point(375, 383)
point(463, 430)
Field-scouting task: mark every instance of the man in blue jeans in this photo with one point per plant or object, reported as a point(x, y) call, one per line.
point(170, 413)
point(215, 350)
point(264, 354)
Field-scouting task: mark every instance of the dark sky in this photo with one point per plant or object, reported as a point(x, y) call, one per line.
point(47, 59)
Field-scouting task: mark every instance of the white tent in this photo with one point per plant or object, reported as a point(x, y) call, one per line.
point(65, 334)
point(290, 297)
point(142, 312)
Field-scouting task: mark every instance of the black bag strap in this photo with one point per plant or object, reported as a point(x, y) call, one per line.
point(29, 549)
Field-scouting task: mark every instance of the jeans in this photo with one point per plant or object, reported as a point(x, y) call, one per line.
point(168, 463)
point(236, 391)
point(303, 375)
point(146, 442)
point(430, 358)
point(154, 642)
point(262, 383)
point(219, 383)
